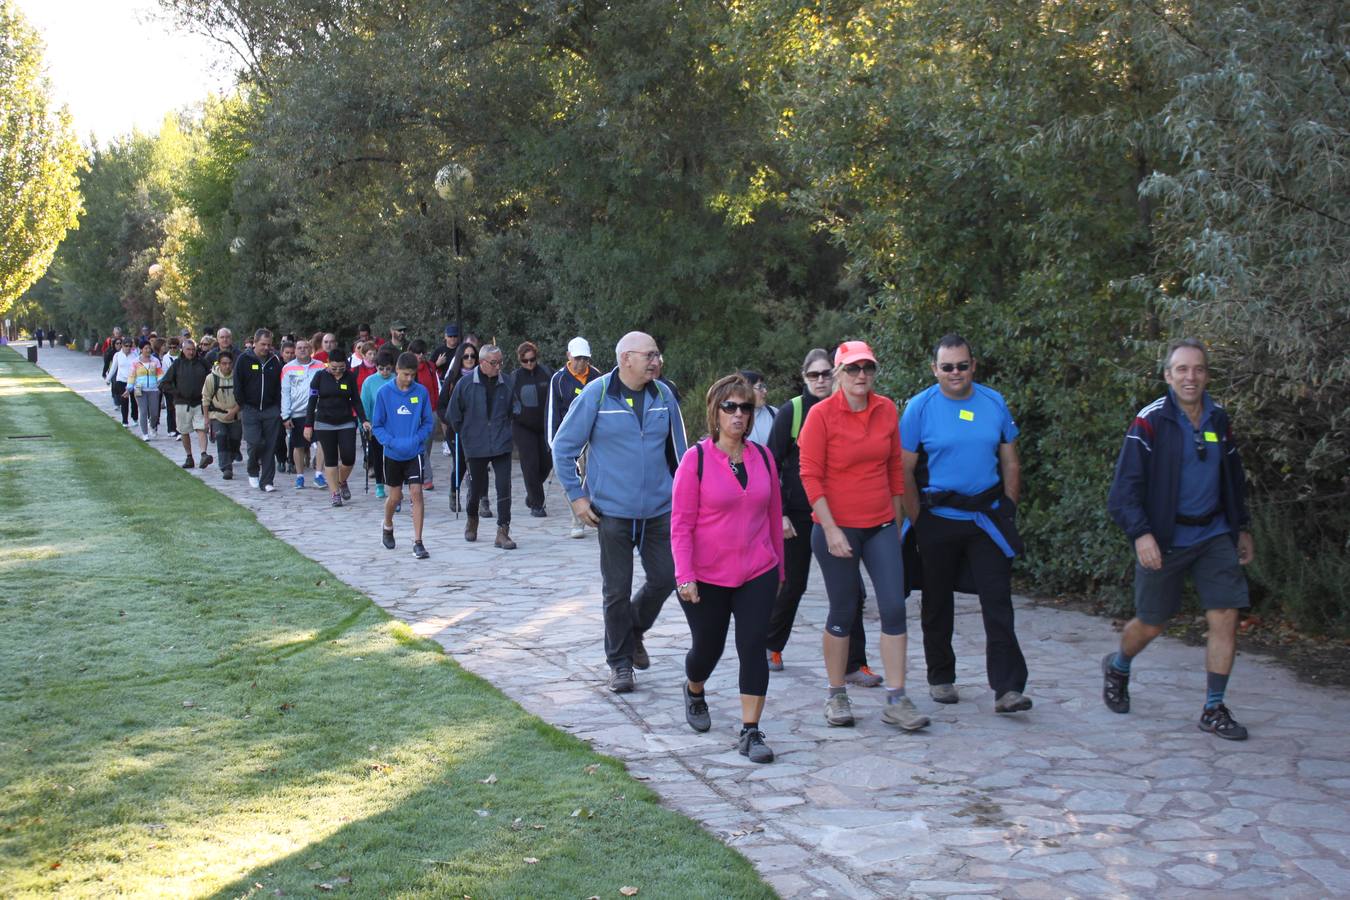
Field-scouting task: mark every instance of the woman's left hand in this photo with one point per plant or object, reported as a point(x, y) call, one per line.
point(689, 592)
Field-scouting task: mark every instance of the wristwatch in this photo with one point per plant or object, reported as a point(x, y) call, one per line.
point(682, 585)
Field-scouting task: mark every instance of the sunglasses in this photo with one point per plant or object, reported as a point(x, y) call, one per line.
point(817, 375)
point(731, 406)
point(528, 360)
point(867, 368)
point(955, 367)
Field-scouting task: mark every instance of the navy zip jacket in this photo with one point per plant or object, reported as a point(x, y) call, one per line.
point(481, 435)
point(1143, 498)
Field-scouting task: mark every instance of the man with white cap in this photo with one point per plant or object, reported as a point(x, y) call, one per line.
point(564, 387)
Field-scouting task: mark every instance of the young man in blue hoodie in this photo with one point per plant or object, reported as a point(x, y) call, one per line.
point(402, 423)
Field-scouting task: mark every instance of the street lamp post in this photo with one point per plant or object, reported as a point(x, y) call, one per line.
point(453, 181)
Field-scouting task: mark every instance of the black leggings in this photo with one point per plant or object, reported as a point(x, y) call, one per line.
point(338, 446)
point(123, 403)
point(797, 563)
point(710, 618)
point(375, 458)
point(878, 548)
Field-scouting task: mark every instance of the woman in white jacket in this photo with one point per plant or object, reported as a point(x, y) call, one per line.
point(119, 371)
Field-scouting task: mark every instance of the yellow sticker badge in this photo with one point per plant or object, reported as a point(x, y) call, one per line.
point(967, 416)
point(255, 367)
point(342, 385)
point(1211, 437)
point(412, 399)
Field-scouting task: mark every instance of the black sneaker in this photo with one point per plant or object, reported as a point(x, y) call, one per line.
point(387, 538)
point(419, 551)
point(621, 680)
point(1115, 686)
point(640, 658)
point(696, 710)
point(227, 475)
point(345, 491)
point(1219, 721)
point(752, 746)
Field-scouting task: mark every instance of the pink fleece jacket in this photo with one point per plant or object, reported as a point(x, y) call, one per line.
point(721, 533)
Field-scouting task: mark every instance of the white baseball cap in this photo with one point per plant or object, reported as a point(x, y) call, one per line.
point(578, 346)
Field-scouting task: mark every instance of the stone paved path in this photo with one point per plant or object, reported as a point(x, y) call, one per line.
point(1068, 800)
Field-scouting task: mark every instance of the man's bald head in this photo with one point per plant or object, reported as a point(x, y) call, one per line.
point(639, 359)
point(635, 340)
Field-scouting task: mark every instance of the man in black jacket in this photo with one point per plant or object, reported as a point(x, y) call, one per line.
point(480, 412)
point(257, 388)
point(184, 380)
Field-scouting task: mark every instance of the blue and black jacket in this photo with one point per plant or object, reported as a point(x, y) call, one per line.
point(1143, 498)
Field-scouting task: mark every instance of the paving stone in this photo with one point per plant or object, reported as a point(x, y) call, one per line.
point(1070, 800)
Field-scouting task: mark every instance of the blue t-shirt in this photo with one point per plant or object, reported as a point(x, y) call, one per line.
point(1198, 491)
point(961, 438)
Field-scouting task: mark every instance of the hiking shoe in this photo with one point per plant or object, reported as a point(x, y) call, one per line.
point(337, 498)
point(640, 658)
point(838, 710)
point(471, 529)
point(752, 746)
point(944, 693)
point(775, 661)
point(1219, 721)
point(1011, 702)
point(621, 680)
point(696, 710)
point(904, 715)
point(419, 551)
point(189, 463)
point(539, 512)
point(299, 482)
point(503, 541)
point(319, 480)
point(387, 538)
point(1115, 686)
point(484, 510)
point(379, 492)
point(346, 491)
point(226, 475)
point(207, 459)
point(863, 677)
point(253, 481)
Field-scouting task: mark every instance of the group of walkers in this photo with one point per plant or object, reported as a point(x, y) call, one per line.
point(925, 499)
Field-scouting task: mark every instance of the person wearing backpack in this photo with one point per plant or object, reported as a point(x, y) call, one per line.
point(630, 427)
point(219, 402)
point(818, 376)
point(726, 534)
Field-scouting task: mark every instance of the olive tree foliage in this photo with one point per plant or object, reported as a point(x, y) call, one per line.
point(39, 161)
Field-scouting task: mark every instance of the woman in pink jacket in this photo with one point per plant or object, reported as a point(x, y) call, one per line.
point(726, 534)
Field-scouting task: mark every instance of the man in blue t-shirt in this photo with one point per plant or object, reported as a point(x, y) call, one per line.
point(962, 482)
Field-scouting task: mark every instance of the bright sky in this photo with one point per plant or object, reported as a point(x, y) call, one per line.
point(119, 64)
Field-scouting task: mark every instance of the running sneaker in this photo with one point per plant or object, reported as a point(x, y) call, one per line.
point(1115, 686)
point(904, 715)
point(446, 451)
point(253, 481)
point(419, 551)
point(299, 482)
point(775, 661)
point(863, 677)
point(1219, 721)
point(379, 492)
point(838, 710)
point(146, 438)
point(621, 680)
point(751, 745)
point(337, 498)
point(696, 710)
point(640, 658)
point(346, 491)
point(319, 480)
point(387, 538)
point(269, 488)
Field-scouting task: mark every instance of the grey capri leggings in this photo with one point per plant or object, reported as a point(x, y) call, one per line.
point(878, 548)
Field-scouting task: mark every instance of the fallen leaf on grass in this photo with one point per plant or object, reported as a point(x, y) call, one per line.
point(530, 860)
point(334, 884)
point(582, 812)
point(628, 891)
point(483, 812)
point(314, 866)
point(55, 865)
point(188, 704)
point(286, 707)
point(378, 767)
point(591, 769)
point(491, 779)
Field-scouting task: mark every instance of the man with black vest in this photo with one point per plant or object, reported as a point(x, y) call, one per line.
point(1179, 495)
point(257, 388)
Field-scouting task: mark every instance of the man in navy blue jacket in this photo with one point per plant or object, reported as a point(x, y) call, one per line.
point(1179, 494)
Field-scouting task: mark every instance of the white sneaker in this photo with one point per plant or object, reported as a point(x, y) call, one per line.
point(155, 434)
point(252, 481)
point(446, 451)
point(269, 488)
point(146, 438)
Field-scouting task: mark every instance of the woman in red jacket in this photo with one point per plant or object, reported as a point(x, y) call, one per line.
point(851, 469)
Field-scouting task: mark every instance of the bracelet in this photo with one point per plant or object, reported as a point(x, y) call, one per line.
point(684, 584)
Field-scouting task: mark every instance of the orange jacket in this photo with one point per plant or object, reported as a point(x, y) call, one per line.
point(852, 459)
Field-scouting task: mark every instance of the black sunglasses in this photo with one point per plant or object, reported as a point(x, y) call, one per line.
point(816, 376)
point(955, 367)
point(529, 359)
point(867, 368)
point(730, 406)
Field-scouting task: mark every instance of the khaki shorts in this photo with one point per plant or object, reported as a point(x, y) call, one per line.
point(190, 418)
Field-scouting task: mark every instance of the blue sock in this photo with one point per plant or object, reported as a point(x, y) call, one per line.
point(893, 695)
point(1216, 684)
point(1121, 663)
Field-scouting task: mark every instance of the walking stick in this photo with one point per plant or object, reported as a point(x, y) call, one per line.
point(365, 455)
point(454, 488)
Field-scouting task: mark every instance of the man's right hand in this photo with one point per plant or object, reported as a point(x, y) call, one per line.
point(1146, 548)
point(581, 508)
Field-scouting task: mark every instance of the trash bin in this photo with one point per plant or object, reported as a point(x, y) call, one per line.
point(32, 355)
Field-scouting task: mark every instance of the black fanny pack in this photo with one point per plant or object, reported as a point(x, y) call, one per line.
point(1197, 521)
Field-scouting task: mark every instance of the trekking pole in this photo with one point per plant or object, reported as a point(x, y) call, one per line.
point(365, 454)
point(454, 488)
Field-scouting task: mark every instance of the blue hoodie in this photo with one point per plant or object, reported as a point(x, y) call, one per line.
point(402, 420)
point(629, 464)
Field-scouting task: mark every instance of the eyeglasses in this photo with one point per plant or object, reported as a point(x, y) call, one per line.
point(955, 367)
point(817, 375)
point(867, 368)
point(491, 362)
point(731, 406)
point(762, 388)
point(652, 355)
point(528, 360)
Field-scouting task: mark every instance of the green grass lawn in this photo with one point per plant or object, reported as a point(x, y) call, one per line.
point(189, 707)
